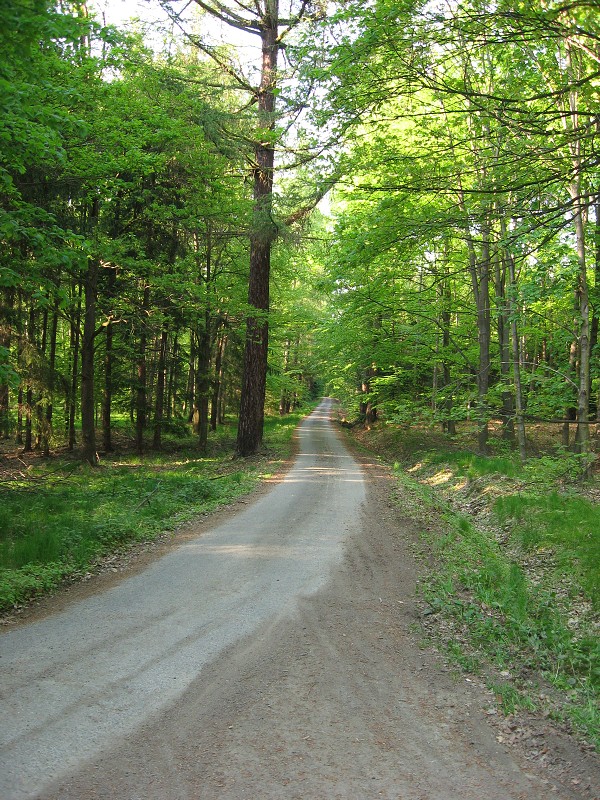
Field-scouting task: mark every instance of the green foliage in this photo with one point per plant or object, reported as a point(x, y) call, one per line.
point(447, 179)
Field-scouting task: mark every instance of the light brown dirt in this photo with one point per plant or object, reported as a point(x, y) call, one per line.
point(339, 701)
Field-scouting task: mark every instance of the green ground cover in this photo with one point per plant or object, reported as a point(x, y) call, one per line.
point(513, 586)
point(60, 517)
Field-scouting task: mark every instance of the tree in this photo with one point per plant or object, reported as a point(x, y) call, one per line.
point(103, 230)
point(263, 20)
point(482, 116)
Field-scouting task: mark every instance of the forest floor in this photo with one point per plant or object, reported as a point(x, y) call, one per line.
point(348, 698)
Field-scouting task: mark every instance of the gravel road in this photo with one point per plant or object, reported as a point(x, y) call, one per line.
point(270, 655)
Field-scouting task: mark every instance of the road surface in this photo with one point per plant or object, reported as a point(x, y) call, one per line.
point(268, 657)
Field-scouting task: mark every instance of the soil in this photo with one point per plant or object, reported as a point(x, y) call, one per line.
point(340, 700)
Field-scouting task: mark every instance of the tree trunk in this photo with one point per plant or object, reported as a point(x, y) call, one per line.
point(171, 380)
point(20, 396)
point(140, 403)
point(28, 446)
point(19, 436)
point(284, 400)
point(254, 379)
point(108, 369)
point(516, 358)
point(596, 317)
point(203, 384)
point(6, 321)
point(571, 118)
point(570, 411)
point(191, 380)
point(480, 278)
point(504, 343)
point(215, 416)
point(108, 390)
point(40, 416)
point(74, 350)
point(88, 426)
point(51, 380)
point(160, 388)
point(582, 438)
point(449, 423)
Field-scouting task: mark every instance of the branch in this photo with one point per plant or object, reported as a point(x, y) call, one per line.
point(300, 214)
point(227, 68)
point(228, 17)
point(291, 23)
point(210, 52)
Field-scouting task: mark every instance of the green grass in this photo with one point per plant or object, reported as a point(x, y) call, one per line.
point(473, 466)
point(563, 525)
point(504, 615)
point(65, 516)
point(518, 594)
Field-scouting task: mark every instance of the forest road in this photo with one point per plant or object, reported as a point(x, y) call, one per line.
point(269, 656)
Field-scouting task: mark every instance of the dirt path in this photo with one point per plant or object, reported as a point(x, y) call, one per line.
point(325, 695)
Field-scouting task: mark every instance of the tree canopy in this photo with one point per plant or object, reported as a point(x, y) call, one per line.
point(162, 261)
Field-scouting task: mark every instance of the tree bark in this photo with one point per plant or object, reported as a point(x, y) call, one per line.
point(218, 380)
point(596, 314)
point(28, 445)
point(140, 403)
point(108, 389)
point(516, 358)
point(108, 370)
point(88, 421)
point(504, 343)
point(51, 380)
point(284, 400)
point(171, 383)
point(6, 322)
point(74, 350)
point(571, 118)
point(203, 384)
point(582, 437)
point(159, 403)
point(191, 380)
point(479, 269)
point(449, 425)
point(254, 379)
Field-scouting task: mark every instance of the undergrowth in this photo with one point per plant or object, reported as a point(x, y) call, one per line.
point(61, 517)
point(563, 526)
point(501, 616)
point(514, 592)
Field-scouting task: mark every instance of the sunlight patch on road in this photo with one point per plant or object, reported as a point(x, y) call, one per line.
point(253, 550)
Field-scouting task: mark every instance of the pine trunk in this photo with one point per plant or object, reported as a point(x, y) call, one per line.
point(6, 314)
point(254, 379)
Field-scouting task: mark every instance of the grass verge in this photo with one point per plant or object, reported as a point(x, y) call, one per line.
point(514, 588)
point(59, 518)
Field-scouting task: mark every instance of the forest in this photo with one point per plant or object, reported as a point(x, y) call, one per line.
point(167, 261)
point(215, 215)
